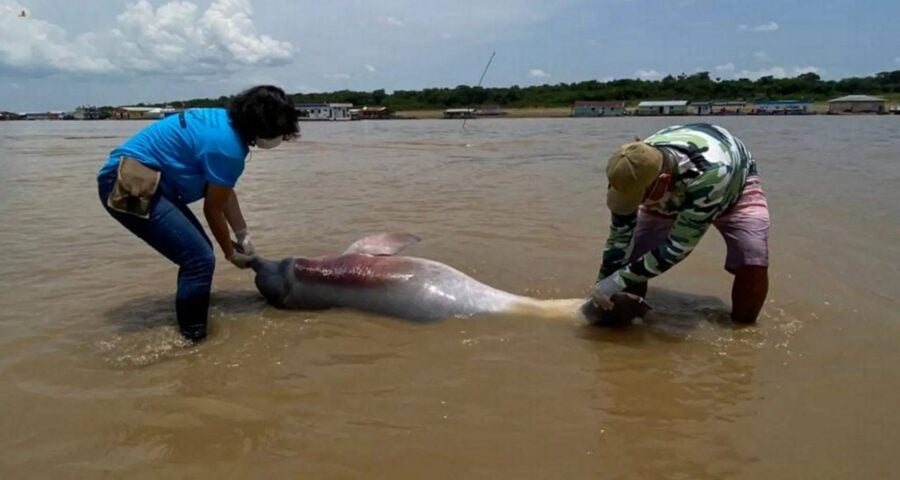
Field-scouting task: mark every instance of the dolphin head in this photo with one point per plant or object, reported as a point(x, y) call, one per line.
point(272, 279)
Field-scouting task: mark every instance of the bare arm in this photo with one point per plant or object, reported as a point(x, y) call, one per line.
point(214, 208)
point(234, 215)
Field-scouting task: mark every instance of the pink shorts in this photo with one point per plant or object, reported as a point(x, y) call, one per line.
point(745, 228)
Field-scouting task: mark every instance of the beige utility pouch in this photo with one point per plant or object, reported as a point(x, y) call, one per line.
point(135, 185)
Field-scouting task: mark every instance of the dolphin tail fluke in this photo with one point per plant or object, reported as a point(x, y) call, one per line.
point(626, 308)
point(561, 309)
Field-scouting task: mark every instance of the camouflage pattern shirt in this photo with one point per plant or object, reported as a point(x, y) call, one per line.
point(712, 167)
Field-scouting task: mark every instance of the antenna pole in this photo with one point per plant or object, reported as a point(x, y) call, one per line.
point(483, 73)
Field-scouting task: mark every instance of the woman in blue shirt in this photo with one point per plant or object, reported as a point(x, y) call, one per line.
point(148, 181)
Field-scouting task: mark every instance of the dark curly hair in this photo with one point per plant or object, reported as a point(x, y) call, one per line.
point(264, 111)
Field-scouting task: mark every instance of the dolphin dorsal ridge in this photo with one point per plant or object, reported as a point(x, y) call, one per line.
point(382, 244)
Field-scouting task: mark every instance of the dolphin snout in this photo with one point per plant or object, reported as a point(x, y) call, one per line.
point(270, 281)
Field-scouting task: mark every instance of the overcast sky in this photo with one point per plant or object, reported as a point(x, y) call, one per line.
point(64, 53)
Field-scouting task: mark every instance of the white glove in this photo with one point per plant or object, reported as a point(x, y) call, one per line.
point(603, 290)
point(243, 240)
point(241, 260)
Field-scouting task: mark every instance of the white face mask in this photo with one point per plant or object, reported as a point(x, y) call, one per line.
point(267, 143)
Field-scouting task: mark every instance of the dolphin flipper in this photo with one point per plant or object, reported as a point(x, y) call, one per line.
point(382, 244)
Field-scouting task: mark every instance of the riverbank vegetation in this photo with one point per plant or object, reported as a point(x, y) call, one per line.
point(694, 87)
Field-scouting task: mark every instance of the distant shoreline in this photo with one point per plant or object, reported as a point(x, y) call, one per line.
point(818, 108)
point(566, 112)
point(539, 112)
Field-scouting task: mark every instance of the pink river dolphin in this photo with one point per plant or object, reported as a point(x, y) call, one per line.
point(370, 276)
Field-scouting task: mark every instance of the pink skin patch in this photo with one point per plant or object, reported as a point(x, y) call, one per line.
point(354, 269)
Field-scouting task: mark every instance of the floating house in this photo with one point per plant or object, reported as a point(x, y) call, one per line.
point(782, 107)
point(42, 115)
point(717, 108)
point(729, 108)
point(162, 112)
point(490, 110)
point(856, 104)
point(700, 108)
point(586, 108)
point(324, 111)
point(371, 113)
point(130, 113)
point(140, 113)
point(662, 107)
point(88, 113)
point(459, 113)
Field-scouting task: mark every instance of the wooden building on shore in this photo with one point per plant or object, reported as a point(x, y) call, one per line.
point(853, 104)
point(589, 108)
point(89, 113)
point(490, 110)
point(459, 113)
point(662, 107)
point(782, 107)
point(55, 115)
point(142, 113)
point(371, 113)
point(718, 108)
point(324, 111)
point(130, 113)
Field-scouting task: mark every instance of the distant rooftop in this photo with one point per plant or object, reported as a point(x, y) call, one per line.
point(781, 102)
point(663, 103)
point(857, 98)
point(322, 105)
point(720, 103)
point(604, 104)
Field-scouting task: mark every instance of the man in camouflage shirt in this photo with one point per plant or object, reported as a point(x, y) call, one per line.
point(664, 193)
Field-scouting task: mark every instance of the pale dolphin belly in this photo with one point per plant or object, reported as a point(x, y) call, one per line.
point(405, 287)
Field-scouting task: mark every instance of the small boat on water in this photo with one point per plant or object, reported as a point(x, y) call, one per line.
point(459, 113)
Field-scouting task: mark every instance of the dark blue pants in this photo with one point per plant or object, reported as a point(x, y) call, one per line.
point(174, 231)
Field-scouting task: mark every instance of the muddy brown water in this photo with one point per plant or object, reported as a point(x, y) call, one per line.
point(94, 382)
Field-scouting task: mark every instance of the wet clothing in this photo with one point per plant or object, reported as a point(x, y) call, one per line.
point(745, 228)
point(174, 231)
point(712, 168)
point(190, 150)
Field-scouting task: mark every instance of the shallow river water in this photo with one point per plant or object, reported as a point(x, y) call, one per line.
point(94, 382)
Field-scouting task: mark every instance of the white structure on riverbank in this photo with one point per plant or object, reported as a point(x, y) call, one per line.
point(323, 111)
point(662, 107)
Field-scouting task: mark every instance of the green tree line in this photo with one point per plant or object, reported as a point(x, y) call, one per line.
point(694, 87)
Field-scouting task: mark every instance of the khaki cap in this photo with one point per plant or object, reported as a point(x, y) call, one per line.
point(630, 170)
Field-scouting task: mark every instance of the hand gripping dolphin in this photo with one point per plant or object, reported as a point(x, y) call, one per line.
point(369, 276)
